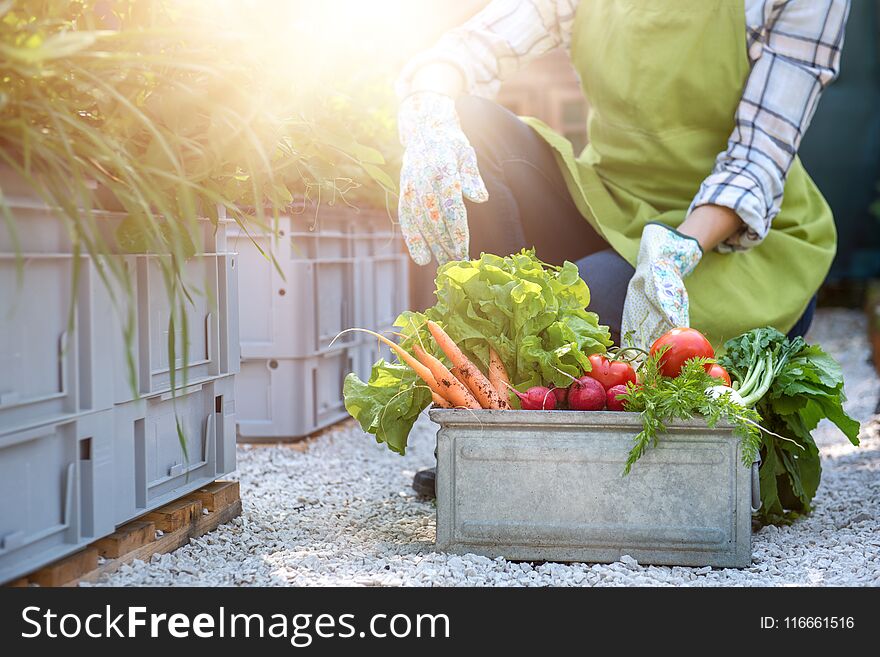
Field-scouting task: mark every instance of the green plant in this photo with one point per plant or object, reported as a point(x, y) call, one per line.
point(157, 110)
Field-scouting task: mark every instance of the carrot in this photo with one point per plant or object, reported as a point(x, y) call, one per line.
point(498, 373)
point(423, 372)
point(453, 389)
point(457, 374)
point(442, 403)
point(475, 380)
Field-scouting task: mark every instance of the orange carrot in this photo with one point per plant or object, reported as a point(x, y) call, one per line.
point(442, 403)
point(453, 389)
point(457, 374)
point(498, 373)
point(423, 372)
point(475, 380)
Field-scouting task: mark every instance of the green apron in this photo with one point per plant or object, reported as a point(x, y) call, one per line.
point(664, 80)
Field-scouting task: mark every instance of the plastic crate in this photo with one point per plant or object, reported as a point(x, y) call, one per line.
point(212, 348)
point(292, 397)
point(370, 351)
point(51, 367)
point(151, 467)
point(38, 354)
point(382, 282)
point(56, 483)
point(327, 282)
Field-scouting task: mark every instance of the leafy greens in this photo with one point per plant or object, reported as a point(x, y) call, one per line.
point(806, 387)
point(533, 314)
point(661, 399)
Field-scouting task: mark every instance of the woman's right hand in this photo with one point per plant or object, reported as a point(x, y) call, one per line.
point(439, 170)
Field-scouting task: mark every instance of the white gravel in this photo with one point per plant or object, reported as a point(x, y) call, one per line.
point(341, 512)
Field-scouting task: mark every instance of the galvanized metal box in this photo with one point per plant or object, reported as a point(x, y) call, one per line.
point(549, 486)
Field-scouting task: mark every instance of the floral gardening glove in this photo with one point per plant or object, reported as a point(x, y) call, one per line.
point(656, 300)
point(439, 167)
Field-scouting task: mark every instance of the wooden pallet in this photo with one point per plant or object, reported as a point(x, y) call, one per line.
point(178, 521)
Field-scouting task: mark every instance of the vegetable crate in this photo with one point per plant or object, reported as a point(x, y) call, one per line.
point(80, 451)
point(337, 268)
point(547, 486)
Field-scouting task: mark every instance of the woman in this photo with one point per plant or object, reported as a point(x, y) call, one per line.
point(689, 206)
point(698, 111)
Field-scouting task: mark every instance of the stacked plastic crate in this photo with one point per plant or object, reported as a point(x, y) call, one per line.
point(334, 269)
point(80, 451)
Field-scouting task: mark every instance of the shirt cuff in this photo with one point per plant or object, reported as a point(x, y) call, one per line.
point(436, 55)
point(744, 195)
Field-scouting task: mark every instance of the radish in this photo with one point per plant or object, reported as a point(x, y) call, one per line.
point(536, 398)
point(716, 391)
point(561, 395)
point(586, 394)
point(613, 403)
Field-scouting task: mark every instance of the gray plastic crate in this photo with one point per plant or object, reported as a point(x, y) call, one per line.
point(212, 348)
point(547, 486)
point(56, 483)
point(326, 283)
point(51, 368)
point(38, 354)
point(370, 351)
point(151, 468)
point(382, 283)
point(289, 398)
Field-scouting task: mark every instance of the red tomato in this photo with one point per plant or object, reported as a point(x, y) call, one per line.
point(683, 344)
point(719, 373)
point(611, 373)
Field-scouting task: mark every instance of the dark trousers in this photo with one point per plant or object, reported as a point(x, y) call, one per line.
point(529, 205)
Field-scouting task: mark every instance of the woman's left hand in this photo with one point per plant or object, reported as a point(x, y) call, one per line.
point(656, 299)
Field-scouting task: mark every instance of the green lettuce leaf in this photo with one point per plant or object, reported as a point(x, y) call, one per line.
point(388, 404)
point(534, 315)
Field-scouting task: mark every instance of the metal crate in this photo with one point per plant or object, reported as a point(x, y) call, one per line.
point(547, 486)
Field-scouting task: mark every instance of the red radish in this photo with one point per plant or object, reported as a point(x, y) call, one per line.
point(536, 398)
point(613, 403)
point(586, 394)
point(561, 395)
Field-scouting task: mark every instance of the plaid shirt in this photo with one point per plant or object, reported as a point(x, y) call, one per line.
point(794, 49)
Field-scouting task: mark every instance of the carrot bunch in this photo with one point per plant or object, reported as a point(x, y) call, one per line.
point(463, 386)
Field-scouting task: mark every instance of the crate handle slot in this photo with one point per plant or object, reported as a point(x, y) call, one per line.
point(756, 486)
point(17, 539)
point(209, 343)
point(62, 363)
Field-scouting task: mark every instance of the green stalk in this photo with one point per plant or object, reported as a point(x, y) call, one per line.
point(752, 377)
point(769, 374)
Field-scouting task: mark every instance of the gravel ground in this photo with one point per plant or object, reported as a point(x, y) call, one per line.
point(340, 511)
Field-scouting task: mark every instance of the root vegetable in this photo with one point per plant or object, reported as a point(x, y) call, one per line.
point(611, 400)
point(586, 394)
point(419, 368)
point(475, 381)
point(451, 388)
point(498, 373)
point(442, 403)
point(561, 395)
point(537, 398)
